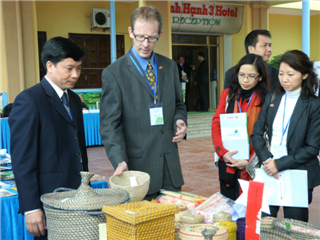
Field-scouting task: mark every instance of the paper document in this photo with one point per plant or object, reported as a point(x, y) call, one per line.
point(234, 134)
point(291, 190)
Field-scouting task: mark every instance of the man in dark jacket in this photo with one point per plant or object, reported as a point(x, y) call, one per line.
point(184, 76)
point(258, 42)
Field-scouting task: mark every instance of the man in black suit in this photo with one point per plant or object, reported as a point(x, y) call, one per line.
point(184, 76)
point(202, 80)
point(47, 136)
point(258, 42)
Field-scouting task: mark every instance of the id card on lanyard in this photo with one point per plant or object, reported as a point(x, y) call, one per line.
point(155, 109)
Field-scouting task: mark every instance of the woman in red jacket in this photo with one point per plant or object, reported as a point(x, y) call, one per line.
point(248, 88)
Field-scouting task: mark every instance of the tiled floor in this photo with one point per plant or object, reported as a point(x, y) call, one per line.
point(199, 172)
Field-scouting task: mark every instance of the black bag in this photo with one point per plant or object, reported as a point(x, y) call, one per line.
point(6, 110)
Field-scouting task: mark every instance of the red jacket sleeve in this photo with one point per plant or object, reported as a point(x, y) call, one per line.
point(215, 127)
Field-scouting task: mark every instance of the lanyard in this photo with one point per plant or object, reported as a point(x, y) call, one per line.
point(284, 113)
point(143, 75)
point(247, 105)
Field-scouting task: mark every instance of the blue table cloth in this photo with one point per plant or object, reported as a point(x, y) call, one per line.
point(4, 134)
point(13, 225)
point(91, 130)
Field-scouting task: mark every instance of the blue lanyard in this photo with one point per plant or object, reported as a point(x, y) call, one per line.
point(247, 105)
point(284, 114)
point(143, 75)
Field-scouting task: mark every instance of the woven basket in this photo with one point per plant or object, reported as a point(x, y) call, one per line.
point(273, 234)
point(230, 226)
point(299, 229)
point(122, 181)
point(141, 220)
point(266, 222)
point(193, 232)
point(241, 228)
point(67, 213)
point(221, 216)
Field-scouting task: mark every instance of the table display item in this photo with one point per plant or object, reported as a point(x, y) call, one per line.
point(297, 229)
point(141, 220)
point(76, 214)
point(214, 204)
point(190, 197)
point(241, 228)
point(222, 216)
point(173, 200)
point(134, 182)
point(273, 234)
point(186, 218)
point(267, 222)
point(230, 226)
point(194, 232)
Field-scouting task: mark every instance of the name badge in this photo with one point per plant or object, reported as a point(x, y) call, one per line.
point(156, 114)
point(279, 151)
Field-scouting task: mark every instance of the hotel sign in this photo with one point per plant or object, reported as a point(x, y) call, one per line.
point(197, 17)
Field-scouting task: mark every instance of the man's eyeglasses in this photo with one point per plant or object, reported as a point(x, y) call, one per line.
point(141, 38)
point(242, 76)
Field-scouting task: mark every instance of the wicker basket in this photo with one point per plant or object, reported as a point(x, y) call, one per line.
point(193, 232)
point(298, 229)
point(67, 213)
point(273, 234)
point(241, 228)
point(141, 220)
point(122, 181)
point(267, 222)
point(230, 226)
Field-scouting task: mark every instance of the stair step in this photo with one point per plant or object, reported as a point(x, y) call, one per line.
point(196, 125)
point(206, 130)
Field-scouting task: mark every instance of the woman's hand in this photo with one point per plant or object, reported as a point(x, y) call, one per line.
point(240, 164)
point(270, 167)
point(227, 157)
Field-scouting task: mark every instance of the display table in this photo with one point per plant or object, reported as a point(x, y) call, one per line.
point(91, 129)
point(4, 134)
point(13, 225)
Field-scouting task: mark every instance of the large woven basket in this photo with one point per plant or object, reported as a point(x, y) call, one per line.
point(273, 234)
point(193, 232)
point(122, 181)
point(298, 229)
point(67, 213)
point(141, 220)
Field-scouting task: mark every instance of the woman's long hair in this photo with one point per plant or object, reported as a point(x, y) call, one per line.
point(300, 62)
point(263, 86)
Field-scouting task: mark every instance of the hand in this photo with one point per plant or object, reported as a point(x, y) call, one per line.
point(227, 157)
point(184, 78)
point(181, 131)
point(193, 67)
point(270, 167)
point(240, 164)
point(122, 167)
point(195, 83)
point(36, 223)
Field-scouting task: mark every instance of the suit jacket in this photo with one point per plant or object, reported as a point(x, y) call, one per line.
point(202, 73)
point(187, 70)
point(273, 76)
point(125, 122)
point(45, 143)
point(303, 139)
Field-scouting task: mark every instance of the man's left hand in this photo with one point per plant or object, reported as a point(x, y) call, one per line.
point(270, 167)
point(181, 131)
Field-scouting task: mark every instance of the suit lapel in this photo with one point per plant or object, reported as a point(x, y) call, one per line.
point(273, 109)
point(300, 107)
point(135, 72)
point(160, 74)
point(55, 101)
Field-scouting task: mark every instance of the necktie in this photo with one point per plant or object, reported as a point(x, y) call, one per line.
point(151, 77)
point(65, 99)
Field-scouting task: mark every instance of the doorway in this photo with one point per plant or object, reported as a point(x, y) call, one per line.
point(189, 46)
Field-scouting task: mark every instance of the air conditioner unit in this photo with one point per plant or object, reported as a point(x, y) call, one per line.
point(99, 18)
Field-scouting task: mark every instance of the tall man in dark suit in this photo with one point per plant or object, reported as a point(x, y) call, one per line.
point(258, 42)
point(184, 76)
point(142, 113)
point(47, 136)
point(202, 80)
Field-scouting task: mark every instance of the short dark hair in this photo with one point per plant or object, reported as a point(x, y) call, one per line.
point(300, 62)
point(263, 86)
point(146, 13)
point(252, 38)
point(57, 49)
point(201, 54)
point(180, 57)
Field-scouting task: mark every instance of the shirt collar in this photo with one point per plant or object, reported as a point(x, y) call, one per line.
point(58, 90)
point(143, 61)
